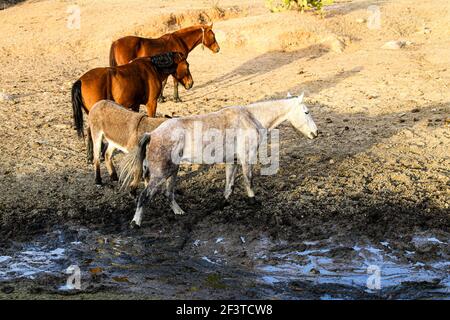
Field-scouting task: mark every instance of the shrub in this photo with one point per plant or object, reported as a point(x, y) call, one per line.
point(282, 5)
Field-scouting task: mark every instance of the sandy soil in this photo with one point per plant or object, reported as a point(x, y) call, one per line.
point(379, 169)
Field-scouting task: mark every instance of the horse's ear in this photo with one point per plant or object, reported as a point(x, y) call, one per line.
point(300, 97)
point(289, 95)
point(211, 25)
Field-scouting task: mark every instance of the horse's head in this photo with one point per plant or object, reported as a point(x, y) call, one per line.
point(182, 73)
point(300, 117)
point(209, 38)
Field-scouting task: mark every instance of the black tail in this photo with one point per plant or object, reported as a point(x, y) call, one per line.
point(112, 56)
point(77, 107)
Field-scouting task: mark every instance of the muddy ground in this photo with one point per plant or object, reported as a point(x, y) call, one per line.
point(372, 190)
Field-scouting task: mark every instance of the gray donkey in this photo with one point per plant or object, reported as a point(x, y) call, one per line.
point(185, 140)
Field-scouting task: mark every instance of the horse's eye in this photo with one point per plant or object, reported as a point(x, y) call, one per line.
point(306, 112)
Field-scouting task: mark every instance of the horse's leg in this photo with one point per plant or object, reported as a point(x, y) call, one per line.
point(104, 148)
point(170, 193)
point(146, 195)
point(109, 164)
point(151, 107)
point(248, 181)
point(161, 97)
point(146, 172)
point(97, 148)
point(176, 97)
point(145, 175)
point(230, 173)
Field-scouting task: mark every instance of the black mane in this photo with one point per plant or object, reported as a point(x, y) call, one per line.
point(164, 62)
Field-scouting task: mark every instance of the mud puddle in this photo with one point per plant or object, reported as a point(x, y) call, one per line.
point(359, 270)
point(150, 265)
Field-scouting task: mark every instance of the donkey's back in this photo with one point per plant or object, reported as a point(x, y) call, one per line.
point(120, 128)
point(119, 125)
point(114, 122)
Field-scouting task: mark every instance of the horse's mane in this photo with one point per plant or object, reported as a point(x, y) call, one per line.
point(163, 60)
point(188, 29)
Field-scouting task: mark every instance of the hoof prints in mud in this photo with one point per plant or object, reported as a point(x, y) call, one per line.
point(292, 221)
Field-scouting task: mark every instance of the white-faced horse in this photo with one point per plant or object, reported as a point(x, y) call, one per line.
point(177, 140)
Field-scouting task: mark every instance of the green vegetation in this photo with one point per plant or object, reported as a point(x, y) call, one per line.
point(282, 5)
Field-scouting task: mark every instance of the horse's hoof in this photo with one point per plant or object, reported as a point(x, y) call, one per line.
point(223, 204)
point(114, 177)
point(253, 201)
point(161, 99)
point(134, 225)
point(133, 193)
point(179, 212)
point(176, 100)
point(98, 183)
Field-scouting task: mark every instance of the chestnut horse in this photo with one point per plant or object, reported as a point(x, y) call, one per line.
point(184, 40)
point(130, 85)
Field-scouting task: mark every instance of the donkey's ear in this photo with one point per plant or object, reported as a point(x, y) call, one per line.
point(289, 95)
point(300, 97)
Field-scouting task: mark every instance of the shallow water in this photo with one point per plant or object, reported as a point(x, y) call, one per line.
point(326, 269)
point(29, 260)
point(366, 264)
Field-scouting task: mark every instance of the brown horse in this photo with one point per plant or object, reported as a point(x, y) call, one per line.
point(184, 40)
point(130, 85)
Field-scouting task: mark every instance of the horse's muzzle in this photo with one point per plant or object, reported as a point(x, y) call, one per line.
point(215, 48)
point(189, 84)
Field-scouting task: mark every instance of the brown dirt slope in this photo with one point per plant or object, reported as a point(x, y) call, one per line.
point(379, 168)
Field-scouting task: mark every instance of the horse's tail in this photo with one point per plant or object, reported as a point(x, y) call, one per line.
point(112, 55)
point(77, 106)
point(132, 166)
